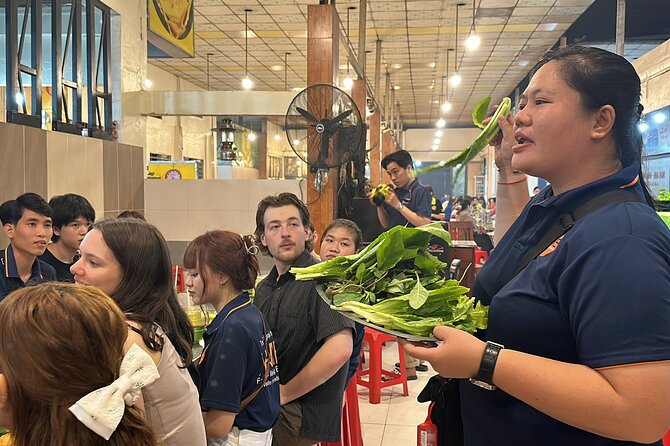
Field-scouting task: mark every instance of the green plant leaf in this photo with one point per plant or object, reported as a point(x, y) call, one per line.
point(480, 111)
point(390, 251)
point(418, 295)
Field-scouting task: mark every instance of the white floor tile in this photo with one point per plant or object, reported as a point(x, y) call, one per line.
point(399, 436)
point(372, 434)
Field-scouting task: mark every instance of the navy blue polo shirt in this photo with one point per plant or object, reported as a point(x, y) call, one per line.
point(416, 197)
point(10, 279)
point(233, 365)
point(599, 296)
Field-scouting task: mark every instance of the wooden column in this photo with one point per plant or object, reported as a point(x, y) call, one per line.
point(359, 95)
point(322, 60)
point(375, 150)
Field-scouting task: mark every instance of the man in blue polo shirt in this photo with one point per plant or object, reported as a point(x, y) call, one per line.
point(409, 203)
point(27, 223)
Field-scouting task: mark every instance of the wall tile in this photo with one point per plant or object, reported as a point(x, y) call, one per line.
point(166, 195)
point(110, 175)
point(36, 161)
point(137, 177)
point(203, 221)
point(218, 195)
point(95, 192)
point(173, 225)
point(125, 174)
point(57, 164)
point(12, 176)
point(75, 171)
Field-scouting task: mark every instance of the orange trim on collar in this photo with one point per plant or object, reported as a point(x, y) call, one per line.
point(632, 183)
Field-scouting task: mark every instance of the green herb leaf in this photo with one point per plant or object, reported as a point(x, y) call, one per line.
point(480, 111)
point(418, 295)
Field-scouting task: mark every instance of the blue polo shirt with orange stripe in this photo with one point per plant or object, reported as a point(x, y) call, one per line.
point(10, 279)
point(599, 296)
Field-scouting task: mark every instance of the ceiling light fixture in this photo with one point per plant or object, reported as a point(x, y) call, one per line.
point(435, 147)
point(252, 135)
point(348, 82)
point(208, 54)
point(440, 123)
point(456, 79)
point(277, 137)
point(247, 83)
point(436, 141)
point(473, 41)
point(439, 133)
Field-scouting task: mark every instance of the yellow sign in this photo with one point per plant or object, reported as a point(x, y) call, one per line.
point(172, 22)
point(172, 170)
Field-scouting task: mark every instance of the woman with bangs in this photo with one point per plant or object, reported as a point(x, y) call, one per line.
point(239, 381)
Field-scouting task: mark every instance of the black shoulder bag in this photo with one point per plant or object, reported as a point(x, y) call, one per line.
point(445, 391)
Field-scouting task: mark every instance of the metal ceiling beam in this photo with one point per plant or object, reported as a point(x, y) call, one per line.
point(211, 103)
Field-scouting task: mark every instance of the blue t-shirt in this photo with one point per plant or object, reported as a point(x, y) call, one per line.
point(233, 365)
point(416, 197)
point(598, 296)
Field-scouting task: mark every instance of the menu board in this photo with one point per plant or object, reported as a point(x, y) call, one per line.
point(657, 174)
point(655, 129)
point(171, 27)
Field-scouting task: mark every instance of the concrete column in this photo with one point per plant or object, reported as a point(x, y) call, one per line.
point(375, 149)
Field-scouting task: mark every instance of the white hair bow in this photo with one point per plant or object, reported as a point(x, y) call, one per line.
point(102, 410)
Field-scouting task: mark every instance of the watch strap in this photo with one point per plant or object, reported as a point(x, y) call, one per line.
point(487, 365)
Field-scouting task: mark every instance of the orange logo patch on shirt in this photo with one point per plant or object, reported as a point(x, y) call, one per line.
point(552, 247)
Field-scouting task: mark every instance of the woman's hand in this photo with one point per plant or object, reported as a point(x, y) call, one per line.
point(458, 356)
point(503, 142)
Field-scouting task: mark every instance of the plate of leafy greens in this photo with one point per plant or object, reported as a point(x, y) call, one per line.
point(395, 285)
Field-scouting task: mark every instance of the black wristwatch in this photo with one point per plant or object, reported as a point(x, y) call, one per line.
point(484, 378)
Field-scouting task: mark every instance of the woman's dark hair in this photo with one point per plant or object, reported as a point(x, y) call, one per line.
point(350, 226)
point(465, 203)
point(401, 157)
point(277, 201)
point(146, 293)
point(11, 211)
point(67, 208)
point(224, 252)
point(58, 343)
point(131, 214)
point(604, 78)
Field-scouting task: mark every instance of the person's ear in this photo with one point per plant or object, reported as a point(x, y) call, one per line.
point(223, 279)
point(263, 242)
point(9, 230)
point(56, 231)
point(603, 122)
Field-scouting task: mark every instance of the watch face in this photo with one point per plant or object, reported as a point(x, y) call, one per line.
point(173, 174)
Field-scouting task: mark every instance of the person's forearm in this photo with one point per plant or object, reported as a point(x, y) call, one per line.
point(332, 355)
point(414, 218)
point(580, 396)
point(512, 197)
point(383, 217)
point(218, 423)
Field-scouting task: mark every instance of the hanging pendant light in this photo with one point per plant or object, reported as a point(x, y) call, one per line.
point(348, 82)
point(473, 41)
point(446, 106)
point(247, 83)
point(456, 79)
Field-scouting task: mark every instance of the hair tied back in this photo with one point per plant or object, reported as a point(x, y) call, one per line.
point(249, 245)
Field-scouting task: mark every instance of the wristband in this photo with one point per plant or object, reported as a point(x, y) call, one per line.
point(513, 182)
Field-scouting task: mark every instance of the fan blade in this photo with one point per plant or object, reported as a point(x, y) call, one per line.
point(337, 119)
point(307, 115)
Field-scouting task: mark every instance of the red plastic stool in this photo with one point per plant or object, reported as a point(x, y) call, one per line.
point(480, 256)
point(351, 419)
point(666, 439)
point(375, 373)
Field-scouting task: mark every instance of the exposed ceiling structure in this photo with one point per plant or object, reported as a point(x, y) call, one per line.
point(416, 36)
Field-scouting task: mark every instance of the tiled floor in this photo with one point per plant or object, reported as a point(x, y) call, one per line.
point(394, 420)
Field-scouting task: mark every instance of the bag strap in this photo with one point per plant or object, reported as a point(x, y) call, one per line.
point(245, 402)
point(567, 220)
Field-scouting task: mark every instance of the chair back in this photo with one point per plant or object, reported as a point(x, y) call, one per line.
point(462, 230)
